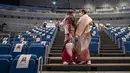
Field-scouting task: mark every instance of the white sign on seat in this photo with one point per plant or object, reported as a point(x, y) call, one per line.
point(43, 42)
point(124, 39)
point(34, 36)
point(24, 42)
point(93, 34)
point(4, 42)
point(116, 34)
point(51, 32)
point(38, 39)
point(23, 61)
point(126, 36)
point(19, 36)
point(43, 34)
point(48, 36)
point(22, 39)
point(18, 47)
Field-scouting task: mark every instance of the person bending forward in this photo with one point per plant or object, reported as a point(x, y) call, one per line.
point(68, 49)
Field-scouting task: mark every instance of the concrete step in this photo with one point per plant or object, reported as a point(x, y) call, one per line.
point(58, 54)
point(92, 67)
point(111, 54)
point(111, 46)
point(56, 48)
point(111, 51)
point(95, 60)
point(107, 48)
point(56, 51)
point(58, 45)
point(105, 43)
point(55, 55)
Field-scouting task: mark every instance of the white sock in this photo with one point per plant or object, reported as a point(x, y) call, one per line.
point(65, 63)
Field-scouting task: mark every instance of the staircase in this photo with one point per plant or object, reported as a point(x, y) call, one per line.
point(108, 48)
point(56, 50)
point(110, 59)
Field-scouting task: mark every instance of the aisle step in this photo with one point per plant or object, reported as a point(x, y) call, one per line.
point(111, 51)
point(55, 54)
point(92, 67)
point(111, 54)
point(56, 51)
point(95, 60)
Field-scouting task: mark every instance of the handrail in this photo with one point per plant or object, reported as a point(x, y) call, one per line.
point(40, 62)
point(46, 55)
point(99, 45)
point(123, 47)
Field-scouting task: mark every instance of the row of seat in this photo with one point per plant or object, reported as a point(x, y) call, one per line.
point(36, 41)
point(26, 52)
point(25, 63)
point(125, 10)
point(121, 36)
point(24, 8)
point(95, 41)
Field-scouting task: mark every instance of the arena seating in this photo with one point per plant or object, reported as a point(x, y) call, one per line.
point(35, 41)
point(124, 9)
point(24, 8)
point(109, 10)
point(121, 36)
point(95, 41)
point(26, 64)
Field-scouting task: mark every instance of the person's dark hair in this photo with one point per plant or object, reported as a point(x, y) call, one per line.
point(84, 11)
point(70, 12)
point(71, 18)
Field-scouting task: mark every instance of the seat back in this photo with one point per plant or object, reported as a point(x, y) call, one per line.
point(4, 66)
point(38, 49)
point(14, 52)
point(93, 47)
point(25, 63)
point(5, 62)
point(4, 48)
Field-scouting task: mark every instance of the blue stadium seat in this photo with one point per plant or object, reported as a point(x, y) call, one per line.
point(8, 57)
point(5, 62)
point(95, 40)
point(48, 38)
point(24, 50)
point(5, 48)
point(4, 66)
point(93, 47)
point(37, 66)
point(127, 46)
point(30, 39)
point(38, 49)
point(31, 67)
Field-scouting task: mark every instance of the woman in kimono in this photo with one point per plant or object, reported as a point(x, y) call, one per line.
point(68, 49)
point(84, 37)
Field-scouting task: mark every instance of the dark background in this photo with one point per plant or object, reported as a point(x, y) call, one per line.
point(10, 2)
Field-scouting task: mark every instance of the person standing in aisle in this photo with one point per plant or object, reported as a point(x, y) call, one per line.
point(84, 37)
point(69, 27)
